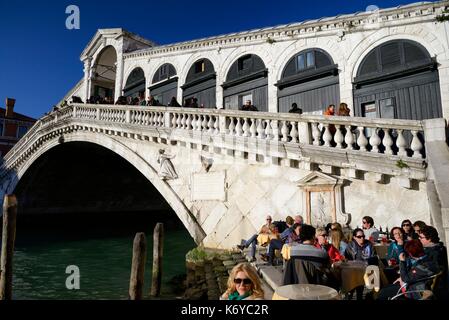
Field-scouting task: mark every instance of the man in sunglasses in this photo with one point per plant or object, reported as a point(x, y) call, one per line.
point(371, 233)
point(267, 228)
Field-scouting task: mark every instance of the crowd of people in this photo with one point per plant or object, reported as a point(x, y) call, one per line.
point(416, 259)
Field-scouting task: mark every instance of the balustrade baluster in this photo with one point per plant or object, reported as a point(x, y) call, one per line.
point(199, 123)
point(294, 132)
point(275, 130)
point(238, 128)
point(210, 125)
point(338, 137)
point(252, 128)
point(268, 131)
point(416, 145)
point(188, 121)
point(362, 142)
point(216, 125)
point(387, 142)
point(327, 136)
point(178, 121)
point(401, 143)
point(173, 120)
point(204, 124)
point(316, 134)
point(183, 121)
point(246, 128)
point(374, 141)
point(260, 129)
point(231, 126)
point(284, 131)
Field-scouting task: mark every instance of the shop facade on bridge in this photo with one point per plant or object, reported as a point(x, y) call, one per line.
point(389, 63)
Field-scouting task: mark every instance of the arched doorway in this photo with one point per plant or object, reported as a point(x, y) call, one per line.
point(201, 84)
point(310, 79)
point(103, 74)
point(165, 84)
point(398, 80)
point(135, 84)
point(247, 79)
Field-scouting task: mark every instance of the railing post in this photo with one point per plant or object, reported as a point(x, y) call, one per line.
point(97, 116)
point(128, 116)
point(74, 112)
point(222, 124)
point(167, 122)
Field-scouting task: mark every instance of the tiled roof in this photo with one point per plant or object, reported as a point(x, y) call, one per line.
point(17, 116)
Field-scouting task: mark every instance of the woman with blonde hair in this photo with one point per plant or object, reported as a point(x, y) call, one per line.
point(338, 240)
point(243, 284)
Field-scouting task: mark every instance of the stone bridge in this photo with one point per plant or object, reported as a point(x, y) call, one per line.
point(233, 167)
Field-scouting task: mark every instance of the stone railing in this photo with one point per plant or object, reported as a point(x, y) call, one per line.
point(384, 146)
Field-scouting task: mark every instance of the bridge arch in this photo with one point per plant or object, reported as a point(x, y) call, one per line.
point(143, 166)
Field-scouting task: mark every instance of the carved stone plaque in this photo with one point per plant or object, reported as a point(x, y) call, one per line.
point(209, 186)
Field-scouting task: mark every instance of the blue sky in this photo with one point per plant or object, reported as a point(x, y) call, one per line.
point(39, 57)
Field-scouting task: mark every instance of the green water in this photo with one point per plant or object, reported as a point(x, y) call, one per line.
point(103, 257)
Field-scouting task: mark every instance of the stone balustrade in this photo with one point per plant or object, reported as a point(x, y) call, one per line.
point(375, 145)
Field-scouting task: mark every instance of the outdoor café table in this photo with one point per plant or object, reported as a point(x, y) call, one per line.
point(381, 250)
point(265, 238)
point(351, 273)
point(305, 292)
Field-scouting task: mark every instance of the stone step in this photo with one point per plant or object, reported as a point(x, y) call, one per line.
point(272, 276)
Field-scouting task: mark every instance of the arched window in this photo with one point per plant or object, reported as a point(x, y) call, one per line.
point(165, 84)
point(247, 79)
point(135, 84)
point(103, 74)
point(398, 79)
point(200, 84)
point(309, 79)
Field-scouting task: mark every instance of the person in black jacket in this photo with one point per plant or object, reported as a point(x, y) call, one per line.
point(436, 251)
point(248, 106)
point(415, 270)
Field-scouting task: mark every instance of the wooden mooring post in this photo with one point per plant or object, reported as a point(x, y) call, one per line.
point(136, 281)
point(158, 247)
point(8, 240)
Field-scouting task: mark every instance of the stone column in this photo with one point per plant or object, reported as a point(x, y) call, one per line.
point(443, 72)
point(437, 183)
point(219, 92)
point(272, 92)
point(87, 68)
point(119, 76)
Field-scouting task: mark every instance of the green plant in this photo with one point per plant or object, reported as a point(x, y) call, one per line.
point(270, 41)
point(443, 17)
point(401, 164)
point(196, 254)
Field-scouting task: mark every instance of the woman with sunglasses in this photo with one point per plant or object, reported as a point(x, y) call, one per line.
point(409, 232)
point(243, 284)
point(359, 248)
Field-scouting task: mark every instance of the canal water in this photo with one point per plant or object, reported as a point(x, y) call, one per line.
point(102, 250)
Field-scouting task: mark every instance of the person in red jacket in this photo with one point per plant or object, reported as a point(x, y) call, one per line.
point(321, 242)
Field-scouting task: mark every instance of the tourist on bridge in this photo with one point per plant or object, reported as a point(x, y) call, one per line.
point(295, 109)
point(243, 284)
point(268, 228)
point(174, 102)
point(343, 110)
point(248, 106)
point(418, 226)
point(330, 111)
point(151, 101)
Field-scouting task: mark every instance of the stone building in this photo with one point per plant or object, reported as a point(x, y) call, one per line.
point(13, 126)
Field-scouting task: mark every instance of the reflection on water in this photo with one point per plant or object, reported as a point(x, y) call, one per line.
point(103, 257)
